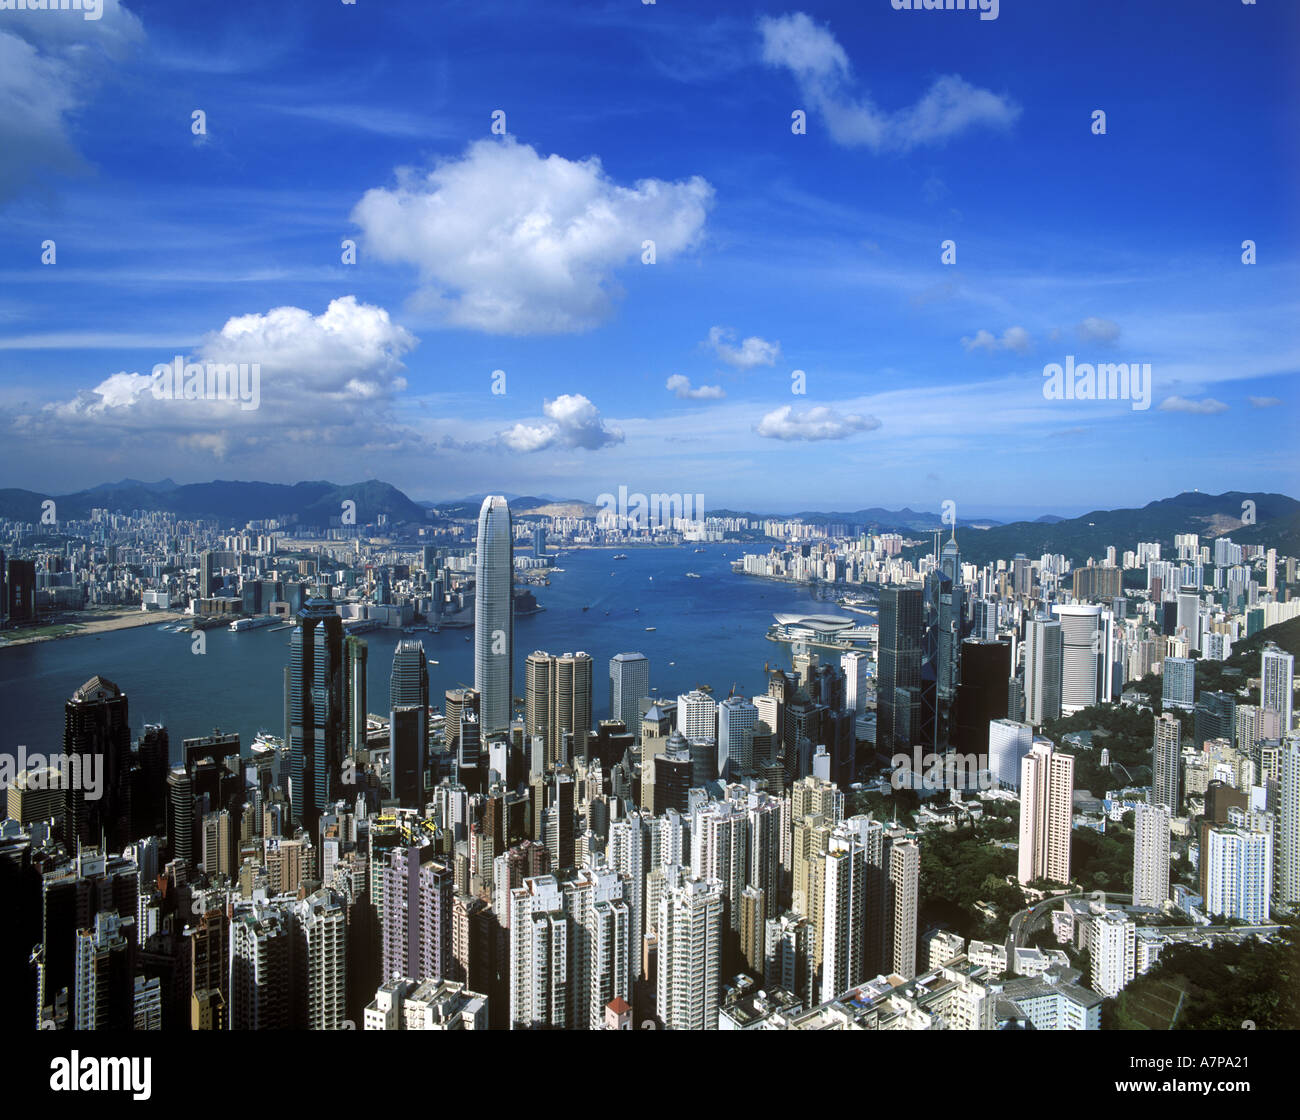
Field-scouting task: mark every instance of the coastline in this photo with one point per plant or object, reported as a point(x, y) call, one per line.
point(95, 624)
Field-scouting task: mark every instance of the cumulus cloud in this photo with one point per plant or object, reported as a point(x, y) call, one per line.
point(1013, 338)
point(820, 422)
point(512, 242)
point(51, 63)
point(821, 68)
point(752, 351)
point(1093, 329)
point(681, 386)
point(332, 376)
point(1264, 402)
point(574, 422)
point(1207, 407)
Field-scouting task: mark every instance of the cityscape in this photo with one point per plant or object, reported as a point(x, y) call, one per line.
point(521, 522)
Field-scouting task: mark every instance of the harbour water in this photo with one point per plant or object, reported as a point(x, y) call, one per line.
point(711, 630)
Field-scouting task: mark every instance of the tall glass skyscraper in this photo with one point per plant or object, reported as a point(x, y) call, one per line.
point(494, 615)
point(315, 683)
point(899, 676)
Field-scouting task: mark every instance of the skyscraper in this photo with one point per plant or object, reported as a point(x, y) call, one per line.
point(629, 681)
point(904, 889)
point(1286, 832)
point(97, 741)
point(1150, 855)
point(494, 615)
point(736, 720)
point(1277, 683)
point(1178, 687)
point(355, 654)
point(1043, 654)
point(690, 955)
point(898, 681)
point(1166, 763)
point(408, 694)
point(843, 906)
point(557, 700)
point(1046, 813)
point(1085, 656)
point(315, 682)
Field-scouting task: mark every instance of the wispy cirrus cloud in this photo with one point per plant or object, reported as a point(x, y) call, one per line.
point(825, 77)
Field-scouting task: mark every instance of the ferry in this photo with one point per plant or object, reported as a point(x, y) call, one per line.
point(693, 575)
point(648, 629)
point(701, 550)
point(254, 623)
point(620, 556)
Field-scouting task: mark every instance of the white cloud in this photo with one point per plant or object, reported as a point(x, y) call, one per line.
point(512, 242)
point(681, 386)
point(1264, 402)
point(335, 375)
point(1013, 338)
point(816, 423)
point(1093, 329)
point(51, 63)
point(1207, 407)
point(574, 423)
point(822, 70)
point(752, 351)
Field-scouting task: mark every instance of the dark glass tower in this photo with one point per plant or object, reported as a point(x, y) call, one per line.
point(900, 667)
point(97, 738)
point(315, 710)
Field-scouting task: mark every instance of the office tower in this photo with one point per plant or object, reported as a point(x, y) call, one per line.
point(97, 742)
point(1189, 616)
point(736, 720)
point(982, 694)
point(539, 690)
point(22, 591)
point(180, 816)
point(600, 946)
point(1166, 762)
point(856, 666)
point(1286, 831)
point(320, 961)
point(457, 702)
point(690, 955)
point(629, 681)
point(1046, 814)
point(417, 905)
point(103, 998)
point(209, 971)
point(1008, 743)
point(899, 677)
point(409, 683)
point(1239, 870)
point(148, 788)
point(1215, 718)
point(261, 968)
point(697, 715)
point(494, 622)
point(1277, 683)
point(207, 573)
point(557, 700)
point(1085, 656)
point(789, 960)
point(407, 729)
point(1043, 668)
point(843, 913)
point(315, 711)
point(1150, 855)
point(37, 794)
point(564, 807)
point(540, 995)
point(904, 887)
point(1178, 688)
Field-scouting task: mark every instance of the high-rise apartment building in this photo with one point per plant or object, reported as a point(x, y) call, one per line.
point(1150, 855)
point(1277, 683)
point(690, 931)
point(1166, 763)
point(1046, 813)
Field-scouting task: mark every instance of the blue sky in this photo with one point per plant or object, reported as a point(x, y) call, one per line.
point(774, 252)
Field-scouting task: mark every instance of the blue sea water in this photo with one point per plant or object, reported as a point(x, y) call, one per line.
point(710, 630)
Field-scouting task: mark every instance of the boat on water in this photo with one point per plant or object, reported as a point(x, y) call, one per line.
point(586, 608)
point(648, 629)
point(468, 639)
point(620, 556)
point(607, 614)
point(693, 575)
point(254, 623)
point(701, 550)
